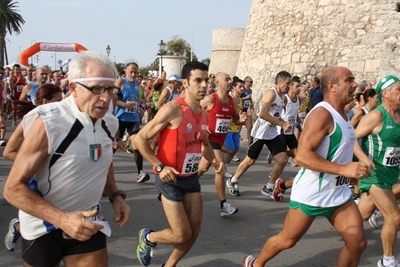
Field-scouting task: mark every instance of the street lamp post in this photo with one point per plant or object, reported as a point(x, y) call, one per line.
point(32, 42)
point(108, 50)
point(161, 47)
point(37, 60)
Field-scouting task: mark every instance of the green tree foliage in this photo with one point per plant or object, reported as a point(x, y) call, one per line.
point(179, 47)
point(10, 22)
point(119, 66)
point(206, 61)
point(144, 71)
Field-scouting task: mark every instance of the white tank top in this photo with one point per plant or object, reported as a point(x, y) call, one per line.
point(76, 180)
point(289, 113)
point(263, 129)
point(324, 189)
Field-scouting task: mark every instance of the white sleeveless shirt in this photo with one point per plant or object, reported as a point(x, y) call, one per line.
point(76, 180)
point(289, 113)
point(324, 189)
point(265, 130)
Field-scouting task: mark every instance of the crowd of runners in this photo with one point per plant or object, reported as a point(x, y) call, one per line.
point(342, 135)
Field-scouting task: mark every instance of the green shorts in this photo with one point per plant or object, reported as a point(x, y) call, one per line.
point(311, 211)
point(365, 187)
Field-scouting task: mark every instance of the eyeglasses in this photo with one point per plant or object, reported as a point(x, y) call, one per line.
point(212, 77)
point(144, 83)
point(98, 90)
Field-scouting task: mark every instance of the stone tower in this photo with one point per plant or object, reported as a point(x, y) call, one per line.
point(226, 48)
point(305, 37)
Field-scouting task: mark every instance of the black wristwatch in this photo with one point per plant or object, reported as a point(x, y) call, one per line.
point(159, 168)
point(115, 194)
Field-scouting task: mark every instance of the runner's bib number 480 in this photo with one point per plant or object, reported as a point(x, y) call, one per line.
point(222, 125)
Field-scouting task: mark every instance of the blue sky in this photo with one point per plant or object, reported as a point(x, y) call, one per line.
point(132, 28)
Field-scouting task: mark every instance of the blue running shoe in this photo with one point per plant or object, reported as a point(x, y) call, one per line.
point(145, 249)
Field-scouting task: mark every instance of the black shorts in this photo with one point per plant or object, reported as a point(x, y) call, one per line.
point(177, 191)
point(130, 127)
point(48, 250)
point(289, 140)
point(215, 145)
point(275, 146)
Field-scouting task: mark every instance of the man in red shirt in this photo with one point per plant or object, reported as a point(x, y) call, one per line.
point(181, 127)
point(222, 111)
point(17, 82)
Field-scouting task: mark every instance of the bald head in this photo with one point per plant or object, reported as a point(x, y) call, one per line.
point(223, 81)
point(331, 75)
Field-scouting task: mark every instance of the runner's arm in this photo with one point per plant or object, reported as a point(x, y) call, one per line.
point(267, 101)
point(14, 143)
point(163, 98)
point(311, 138)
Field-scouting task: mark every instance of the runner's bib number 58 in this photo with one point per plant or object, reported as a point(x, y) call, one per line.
point(191, 163)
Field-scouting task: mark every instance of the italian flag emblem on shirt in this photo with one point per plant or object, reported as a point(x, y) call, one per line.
point(95, 152)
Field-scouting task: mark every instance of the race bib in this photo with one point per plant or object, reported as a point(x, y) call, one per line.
point(339, 181)
point(302, 116)
point(222, 125)
point(292, 121)
point(19, 88)
point(99, 216)
point(392, 157)
point(133, 109)
point(246, 104)
point(191, 163)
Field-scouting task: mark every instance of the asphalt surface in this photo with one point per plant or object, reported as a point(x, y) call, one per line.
point(223, 242)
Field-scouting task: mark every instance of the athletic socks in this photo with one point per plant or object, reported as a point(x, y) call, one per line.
point(234, 180)
point(270, 186)
point(387, 260)
point(222, 203)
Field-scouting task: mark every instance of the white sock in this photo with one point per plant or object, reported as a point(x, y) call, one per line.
point(234, 180)
point(270, 186)
point(387, 260)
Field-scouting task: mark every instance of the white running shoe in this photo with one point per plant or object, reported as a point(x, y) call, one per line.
point(233, 188)
point(228, 175)
point(227, 209)
point(235, 159)
point(394, 264)
point(373, 220)
point(142, 177)
point(12, 236)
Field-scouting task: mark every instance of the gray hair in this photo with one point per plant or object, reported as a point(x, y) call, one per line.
point(362, 85)
point(77, 66)
point(282, 75)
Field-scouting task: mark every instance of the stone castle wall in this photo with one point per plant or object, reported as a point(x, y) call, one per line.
point(226, 48)
point(305, 37)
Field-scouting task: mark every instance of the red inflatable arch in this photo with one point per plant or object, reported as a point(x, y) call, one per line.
point(52, 47)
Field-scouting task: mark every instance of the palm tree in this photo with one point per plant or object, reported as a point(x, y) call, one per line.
point(10, 21)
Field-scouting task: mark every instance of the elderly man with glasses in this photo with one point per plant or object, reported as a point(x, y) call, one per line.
point(68, 150)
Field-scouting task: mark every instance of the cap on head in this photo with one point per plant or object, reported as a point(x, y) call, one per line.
point(386, 82)
point(174, 77)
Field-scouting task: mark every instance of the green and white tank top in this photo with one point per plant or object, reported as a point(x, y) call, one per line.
point(384, 149)
point(324, 189)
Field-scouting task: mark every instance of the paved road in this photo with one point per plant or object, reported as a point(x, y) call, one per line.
point(223, 242)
